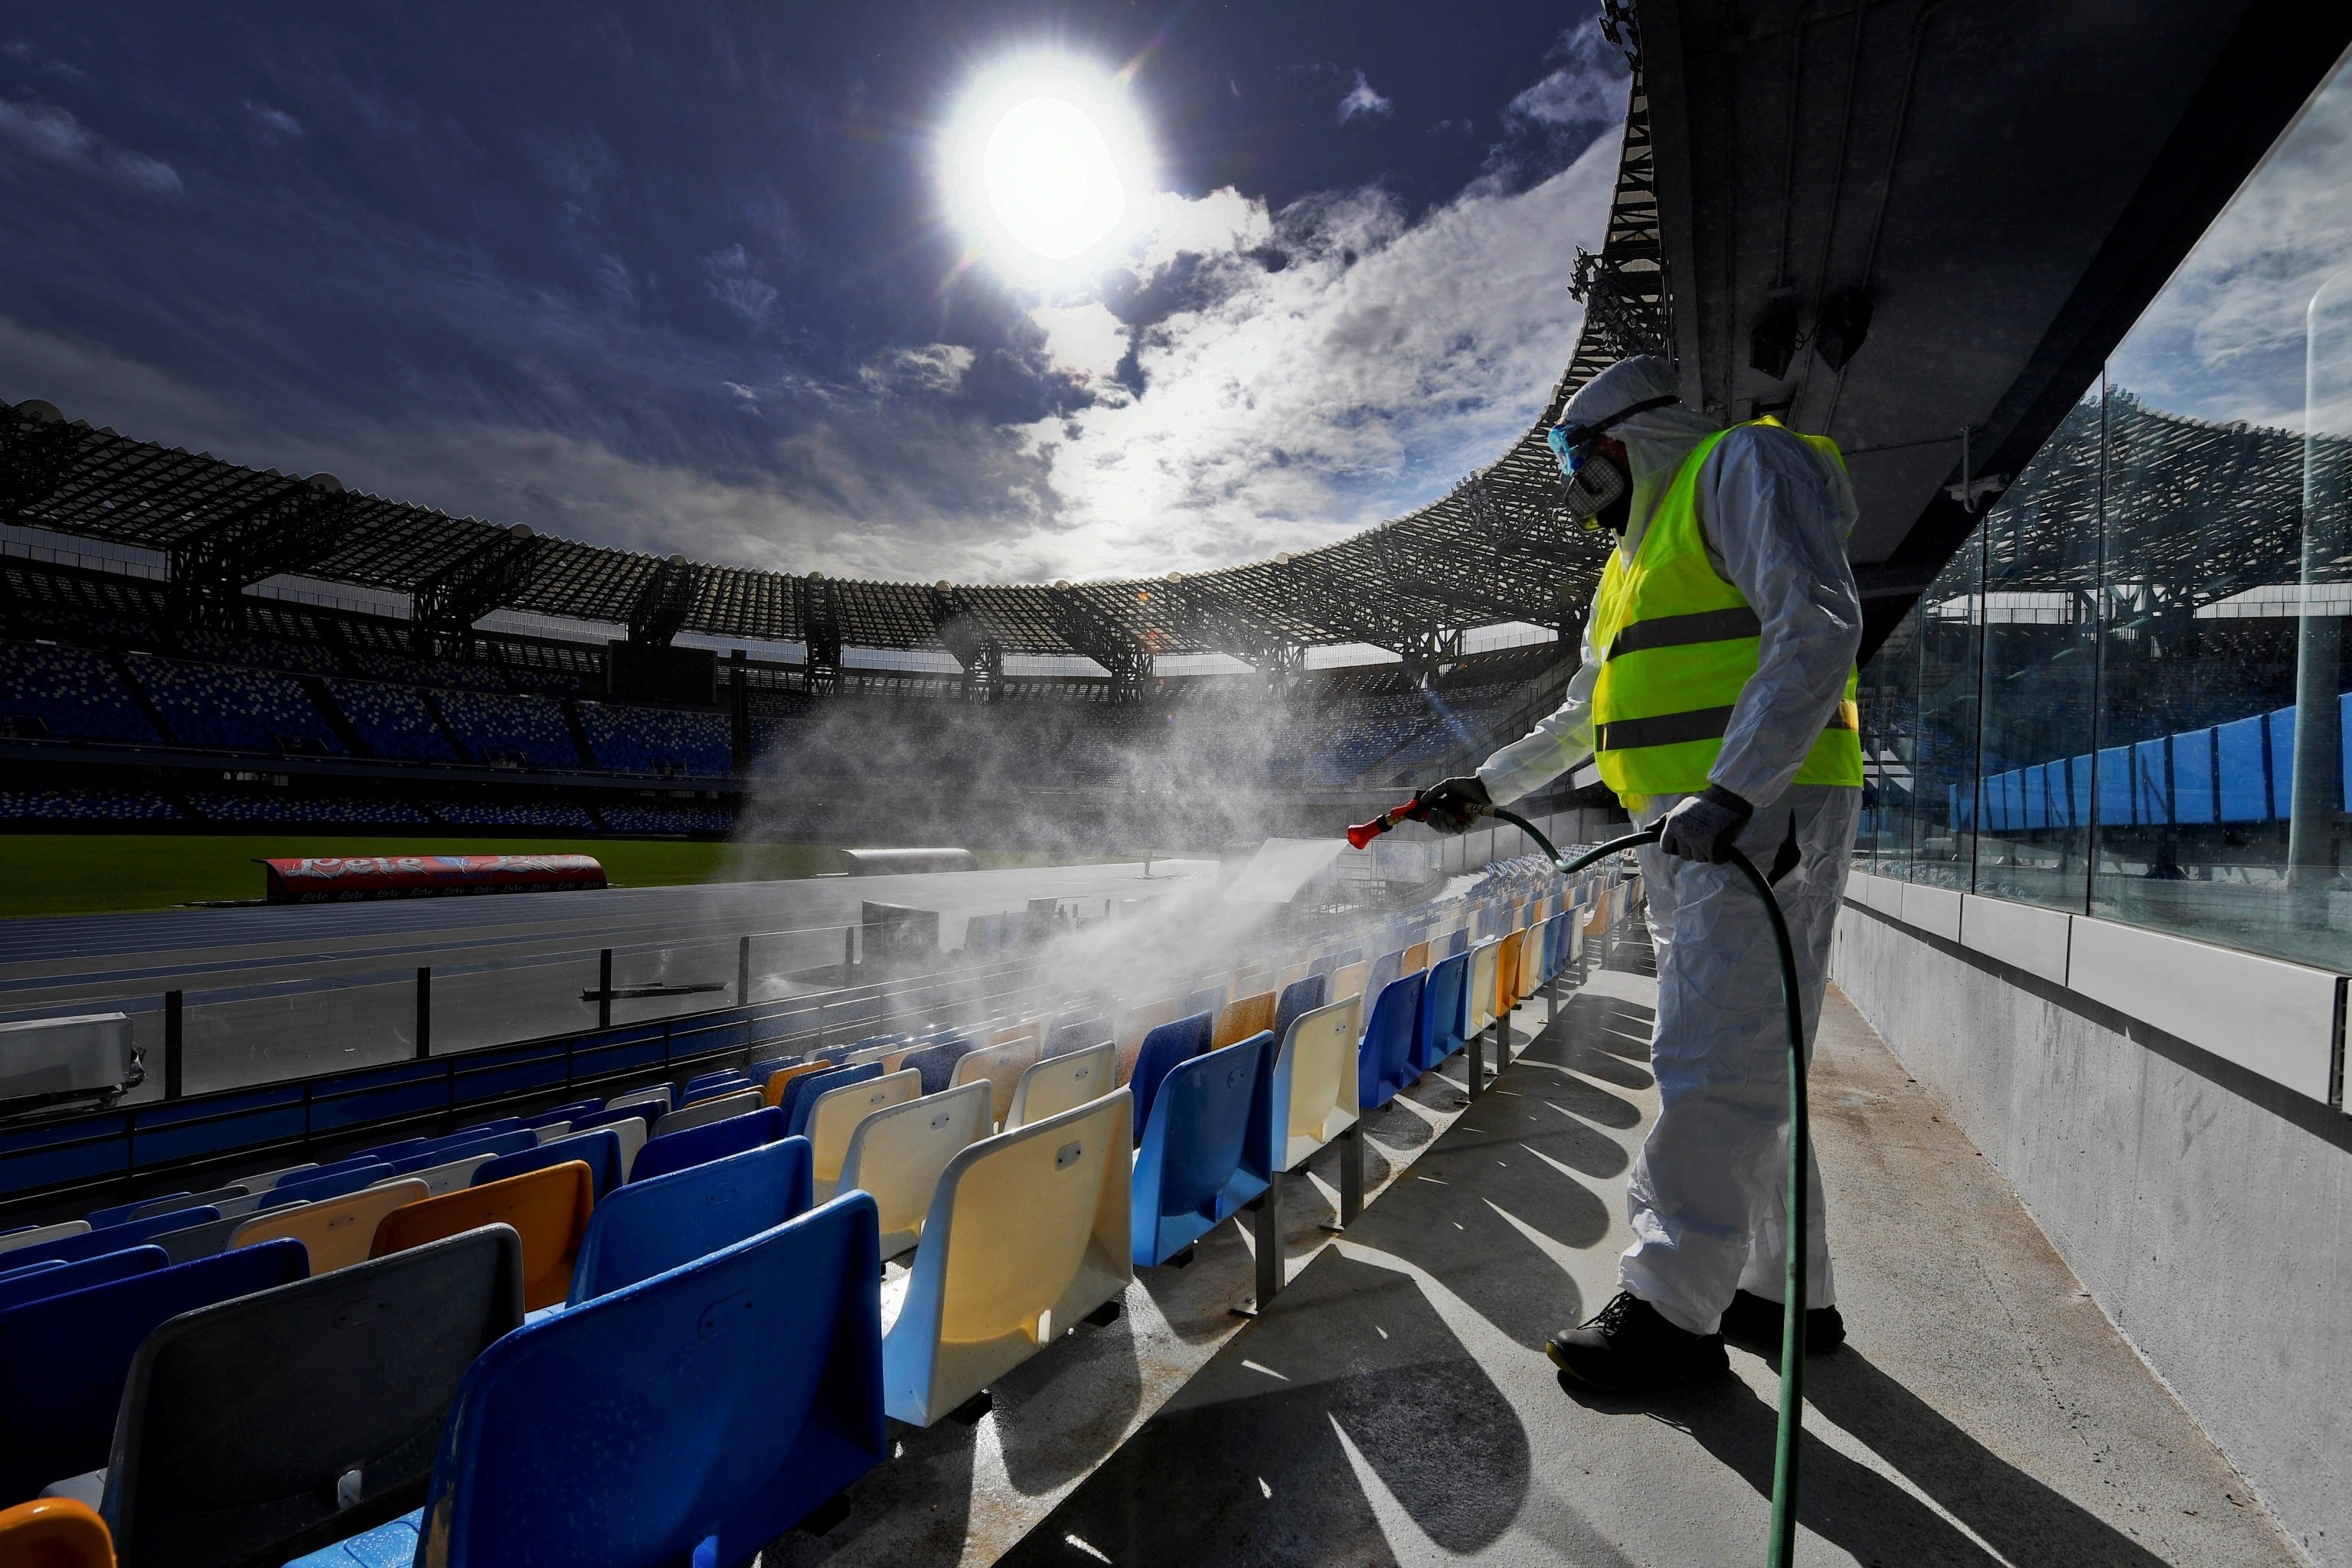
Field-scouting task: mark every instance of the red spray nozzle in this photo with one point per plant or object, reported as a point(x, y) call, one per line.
point(1363, 833)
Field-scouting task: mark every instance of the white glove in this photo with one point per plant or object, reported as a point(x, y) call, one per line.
point(1703, 826)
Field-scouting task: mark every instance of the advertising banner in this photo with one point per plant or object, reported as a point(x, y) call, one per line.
point(332, 879)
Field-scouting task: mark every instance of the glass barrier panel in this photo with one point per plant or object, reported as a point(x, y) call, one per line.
point(673, 981)
point(476, 1005)
point(234, 1037)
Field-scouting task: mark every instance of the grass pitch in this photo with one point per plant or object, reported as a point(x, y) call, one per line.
point(98, 873)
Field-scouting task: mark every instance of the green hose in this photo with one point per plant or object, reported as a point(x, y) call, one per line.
point(1792, 1317)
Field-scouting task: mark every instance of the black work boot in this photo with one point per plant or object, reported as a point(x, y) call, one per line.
point(1754, 1322)
point(1628, 1347)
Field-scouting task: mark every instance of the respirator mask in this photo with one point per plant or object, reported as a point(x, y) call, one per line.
point(1593, 486)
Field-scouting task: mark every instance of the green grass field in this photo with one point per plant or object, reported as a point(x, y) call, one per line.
point(94, 873)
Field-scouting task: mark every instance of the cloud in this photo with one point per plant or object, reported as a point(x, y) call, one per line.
point(1362, 100)
point(729, 276)
point(741, 390)
point(2228, 336)
point(1289, 408)
point(274, 121)
point(49, 134)
point(23, 53)
point(1086, 340)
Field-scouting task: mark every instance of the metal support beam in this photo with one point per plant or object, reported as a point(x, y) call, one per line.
point(966, 635)
point(1098, 637)
point(211, 566)
point(820, 623)
point(37, 452)
point(452, 599)
point(662, 605)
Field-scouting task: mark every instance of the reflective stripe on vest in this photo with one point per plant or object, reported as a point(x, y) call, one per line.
point(1677, 645)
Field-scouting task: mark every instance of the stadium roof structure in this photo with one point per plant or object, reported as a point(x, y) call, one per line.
point(1497, 547)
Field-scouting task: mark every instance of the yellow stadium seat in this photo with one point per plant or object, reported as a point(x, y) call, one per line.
point(1318, 1064)
point(1063, 1083)
point(1416, 958)
point(838, 1113)
point(1027, 1234)
point(1241, 1018)
point(1000, 1066)
point(54, 1532)
point(338, 1232)
point(898, 1154)
point(1347, 981)
point(548, 1208)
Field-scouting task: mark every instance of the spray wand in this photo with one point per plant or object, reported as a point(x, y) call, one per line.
point(1783, 1548)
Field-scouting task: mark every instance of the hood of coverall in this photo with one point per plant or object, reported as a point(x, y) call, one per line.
point(1656, 441)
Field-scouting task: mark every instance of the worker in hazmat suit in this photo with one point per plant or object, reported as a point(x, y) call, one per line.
point(1717, 696)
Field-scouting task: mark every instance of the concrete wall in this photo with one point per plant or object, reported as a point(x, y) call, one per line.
point(2207, 1209)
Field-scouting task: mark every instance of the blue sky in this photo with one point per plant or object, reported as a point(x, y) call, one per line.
point(681, 276)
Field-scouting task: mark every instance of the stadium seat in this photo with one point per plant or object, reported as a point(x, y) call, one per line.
point(651, 1226)
point(1027, 1234)
point(1437, 1027)
point(710, 1084)
point(549, 1209)
point(341, 1387)
point(54, 1532)
point(35, 1281)
point(1134, 1024)
point(1241, 1018)
point(1080, 1034)
point(1478, 991)
point(1388, 966)
point(1416, 958)
point(1163, 1048)
point(451, 1175)
point(221, 1198)
point(63, 1358)
point(801, 1092)
point(934, 1062)
point(678, 1431)
point(562, 1114)
point(335, 1232)
point(626, 1122)
point(772, 1088)
point(264, 1181)
point(1298, 996)
point(100, 1220)
point(1347, 980)
point(1507, 984)
point(39, 1235)
point(1060, 1083)
point(656, 1094)
point(713, 1141)
point(834, 1114)
point(1207, 1147)
point(599, 1150)
point(1384, 1065)
point(1315, 1081)
point(113, 1238)
point(206, 1237)
point(348, 1177)
point(1000, 1066)
point(706, 1112)
point(897, 1155)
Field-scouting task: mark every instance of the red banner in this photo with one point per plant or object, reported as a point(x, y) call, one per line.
point(332, 880)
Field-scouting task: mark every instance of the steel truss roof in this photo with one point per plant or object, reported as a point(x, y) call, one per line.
point(1497, 547)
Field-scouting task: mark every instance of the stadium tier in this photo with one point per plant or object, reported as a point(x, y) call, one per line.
point(410, 1275)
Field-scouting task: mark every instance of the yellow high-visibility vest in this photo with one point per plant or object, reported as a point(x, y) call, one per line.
point(1676, 645)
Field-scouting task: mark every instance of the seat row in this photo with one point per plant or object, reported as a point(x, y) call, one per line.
point(1029, 1185)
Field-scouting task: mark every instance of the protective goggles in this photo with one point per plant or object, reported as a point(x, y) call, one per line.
point(1571, 441)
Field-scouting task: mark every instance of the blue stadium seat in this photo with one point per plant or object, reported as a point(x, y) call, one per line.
point(669, 740)
point(102, 1218)
point(800, 1095)
point(395, 721)
point(73, 693)
point(63, 1358)
point(564, 1113)
point(2151, 763)
point(1163, 1048)
point(1384, 1065)
point(934, 1062)
point(441, 1151)
point(234, 707)
point(2279, 722)
point(1437, 1021)
point(1207, 1147)
point(715, 1083)
point(55, 1276)
point(599, 1149)
point(647, 1111)
point(498, 727)
point(694, 1416)
point(715, 1140)
point(342, 1384)
point(651, 1226)
point(1298, 996)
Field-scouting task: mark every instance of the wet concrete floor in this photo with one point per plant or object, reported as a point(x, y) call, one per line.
point(1395, 1405)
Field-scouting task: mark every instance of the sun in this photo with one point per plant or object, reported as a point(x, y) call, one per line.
point(1044, 165)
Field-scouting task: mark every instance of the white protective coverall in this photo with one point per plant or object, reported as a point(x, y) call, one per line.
point(1708, 1194)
